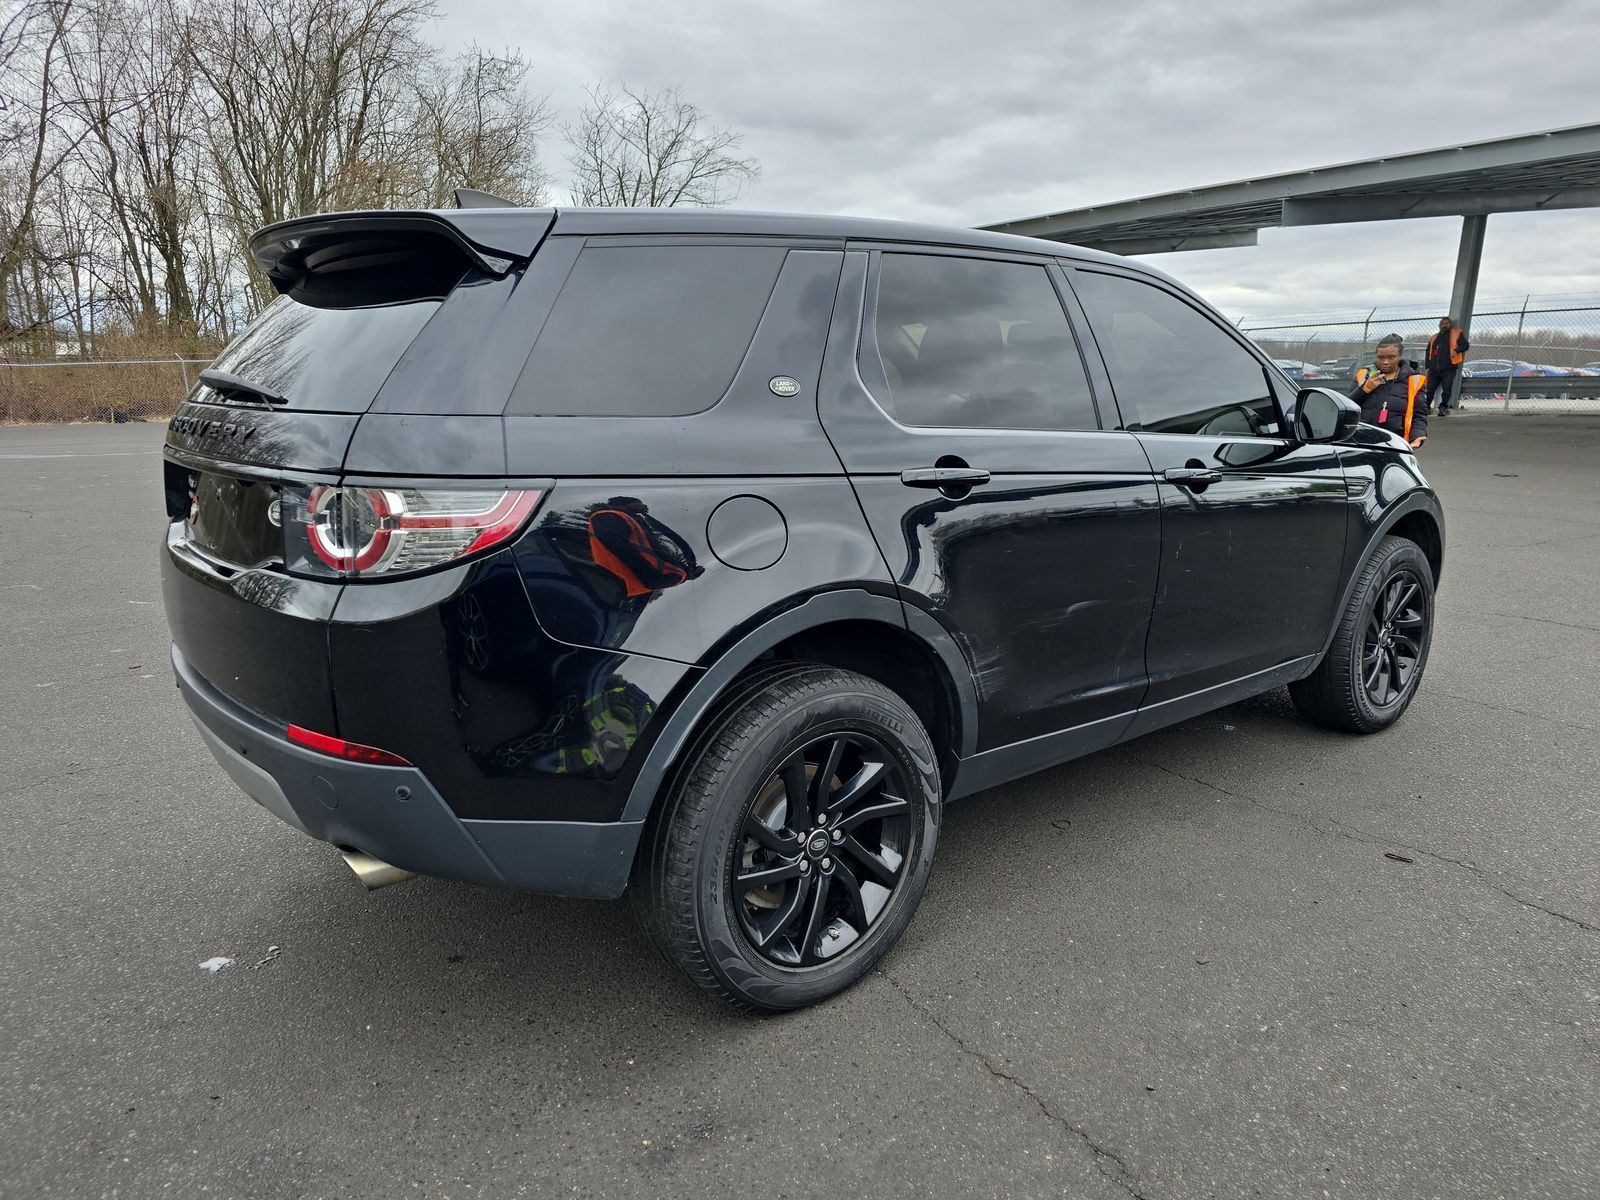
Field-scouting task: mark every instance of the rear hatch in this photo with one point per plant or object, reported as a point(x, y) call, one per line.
point(386, 319)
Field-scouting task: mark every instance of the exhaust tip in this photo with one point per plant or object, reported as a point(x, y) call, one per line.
point(374, 873)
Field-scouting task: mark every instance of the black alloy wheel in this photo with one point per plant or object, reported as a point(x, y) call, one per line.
point(1374, 664)
point(1392, 647)
point(824, 850)
point(796, 839)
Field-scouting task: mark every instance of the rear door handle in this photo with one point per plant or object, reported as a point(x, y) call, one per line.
point(1191, 476)
point(944, 477)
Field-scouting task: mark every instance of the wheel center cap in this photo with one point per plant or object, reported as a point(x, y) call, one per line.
point(817, 844)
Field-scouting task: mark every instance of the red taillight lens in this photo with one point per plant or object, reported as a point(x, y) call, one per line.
point(372, 531)
point(340, 748)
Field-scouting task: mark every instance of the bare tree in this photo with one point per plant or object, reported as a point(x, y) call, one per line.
point(69, 244)
point(34, 142)
point(478, 126)
point(636, 149)
point(304, 97)
point(132, 85)
point(143, 141)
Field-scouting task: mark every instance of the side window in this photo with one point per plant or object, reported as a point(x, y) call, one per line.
point(647, 331)
point(1174, 371)
point(976, 344)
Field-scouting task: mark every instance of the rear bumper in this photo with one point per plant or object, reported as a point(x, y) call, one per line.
point(395, 814)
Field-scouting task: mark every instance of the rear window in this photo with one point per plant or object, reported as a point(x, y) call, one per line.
point(324, 359)
point(647, 331)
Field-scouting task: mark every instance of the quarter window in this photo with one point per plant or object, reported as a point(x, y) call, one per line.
point(1173, 369)
point(977, 344)
point(647, 331)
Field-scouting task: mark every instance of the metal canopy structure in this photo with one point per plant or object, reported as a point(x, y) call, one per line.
point(1533, 172)
point(1530, 173)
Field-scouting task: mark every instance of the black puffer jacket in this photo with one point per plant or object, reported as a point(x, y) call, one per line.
point(1392, 393)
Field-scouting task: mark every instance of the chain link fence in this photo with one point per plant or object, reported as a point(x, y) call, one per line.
point(71, 389)
point(1530, 354)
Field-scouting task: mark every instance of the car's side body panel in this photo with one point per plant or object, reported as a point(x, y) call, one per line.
point(1043, 574)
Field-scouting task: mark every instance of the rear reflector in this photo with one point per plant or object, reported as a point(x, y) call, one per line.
point(340, 748)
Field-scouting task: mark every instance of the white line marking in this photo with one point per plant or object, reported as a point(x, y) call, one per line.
point(98, 454)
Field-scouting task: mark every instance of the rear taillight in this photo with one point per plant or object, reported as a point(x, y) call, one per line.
point(381, 532)
point(354, 751)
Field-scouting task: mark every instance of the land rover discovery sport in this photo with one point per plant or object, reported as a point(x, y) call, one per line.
point(707, 555)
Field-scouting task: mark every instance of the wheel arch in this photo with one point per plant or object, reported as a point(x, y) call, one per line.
point(872, 634)
point(1416, 517)
point(1421, 526)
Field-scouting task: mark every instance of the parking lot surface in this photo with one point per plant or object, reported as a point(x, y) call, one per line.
point(1242, 957)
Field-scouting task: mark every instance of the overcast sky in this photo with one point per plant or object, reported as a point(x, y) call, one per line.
point(968, 113)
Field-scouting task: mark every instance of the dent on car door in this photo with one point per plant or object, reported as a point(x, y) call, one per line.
point(1039, 553)
point(1253, 521)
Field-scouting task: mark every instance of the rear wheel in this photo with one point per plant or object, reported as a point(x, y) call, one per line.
point(796, 842)
point(1375, 663)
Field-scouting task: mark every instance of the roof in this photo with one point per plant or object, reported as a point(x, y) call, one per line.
point(1559, 168)
point(735, 222)
point(516, 232)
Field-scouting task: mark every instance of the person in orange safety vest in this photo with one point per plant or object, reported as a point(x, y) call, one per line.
point(1392, 397)
point(1447, 350)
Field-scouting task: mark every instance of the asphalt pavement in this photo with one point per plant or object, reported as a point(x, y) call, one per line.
point(1241, 957)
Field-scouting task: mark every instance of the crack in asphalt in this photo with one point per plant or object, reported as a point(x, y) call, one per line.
point(1340, 829)
point(1521, 712)
point(76, 769)
point(1588, 537)
point(1122, 1176)
point(1510, 516)
point(1538, 620)
point(22, 788)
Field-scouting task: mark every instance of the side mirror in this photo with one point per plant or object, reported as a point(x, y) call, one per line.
point(1323, 415)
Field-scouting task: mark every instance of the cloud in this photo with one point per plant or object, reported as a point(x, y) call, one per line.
point(972, 113)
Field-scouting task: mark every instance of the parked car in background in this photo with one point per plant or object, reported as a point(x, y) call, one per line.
point(1490, 367)
point(1342, 368)
point(1293, 367)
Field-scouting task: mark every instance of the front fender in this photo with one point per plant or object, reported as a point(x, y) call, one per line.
point(1388, 489)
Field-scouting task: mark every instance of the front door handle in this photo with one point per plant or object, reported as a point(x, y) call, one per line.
point(945, 477)
point(1191, 476)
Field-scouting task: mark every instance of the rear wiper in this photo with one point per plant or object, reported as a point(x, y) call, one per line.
point(234, 385)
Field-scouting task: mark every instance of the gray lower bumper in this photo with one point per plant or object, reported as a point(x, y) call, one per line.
point(394, 813)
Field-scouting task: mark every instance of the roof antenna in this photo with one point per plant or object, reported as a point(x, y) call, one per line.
point(473, 198)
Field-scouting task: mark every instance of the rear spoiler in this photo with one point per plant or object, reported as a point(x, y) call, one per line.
point(338, 259)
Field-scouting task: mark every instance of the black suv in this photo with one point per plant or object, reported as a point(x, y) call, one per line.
point(707, 555)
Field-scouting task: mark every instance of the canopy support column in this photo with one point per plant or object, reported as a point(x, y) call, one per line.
point(1464, 291)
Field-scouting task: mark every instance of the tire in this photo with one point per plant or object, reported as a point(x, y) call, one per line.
point(1375, 663)
point(794, 842)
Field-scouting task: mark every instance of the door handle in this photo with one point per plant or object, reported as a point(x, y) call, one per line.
point(945, 477)
point(1191, 476)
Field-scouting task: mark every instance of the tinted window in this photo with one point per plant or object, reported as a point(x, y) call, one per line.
point(977, 344)
point(1173, 369)
point(647, 331)
point(328, 359)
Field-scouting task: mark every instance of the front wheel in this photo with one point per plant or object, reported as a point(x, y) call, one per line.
point(1375, 663)
point(796, 843)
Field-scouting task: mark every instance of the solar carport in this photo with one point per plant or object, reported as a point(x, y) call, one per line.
point(1534, 172)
